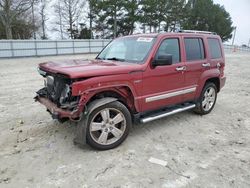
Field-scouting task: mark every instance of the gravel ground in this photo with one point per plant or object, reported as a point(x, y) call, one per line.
point(201, 151)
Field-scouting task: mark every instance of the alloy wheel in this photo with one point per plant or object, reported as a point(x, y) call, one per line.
point(208, 99)
point(107, 126)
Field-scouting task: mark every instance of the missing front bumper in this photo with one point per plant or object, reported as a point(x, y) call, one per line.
point(56, 112)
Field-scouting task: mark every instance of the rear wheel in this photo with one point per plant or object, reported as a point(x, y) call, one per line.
point(108, 126)
point(207, 99)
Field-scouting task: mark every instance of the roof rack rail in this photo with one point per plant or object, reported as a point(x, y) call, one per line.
point(197, 31)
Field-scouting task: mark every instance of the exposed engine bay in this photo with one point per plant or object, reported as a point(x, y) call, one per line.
point(58, 90)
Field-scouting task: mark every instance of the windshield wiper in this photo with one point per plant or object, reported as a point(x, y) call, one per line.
point(115, 59)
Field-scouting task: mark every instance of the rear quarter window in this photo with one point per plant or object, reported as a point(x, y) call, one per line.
point(214, 48)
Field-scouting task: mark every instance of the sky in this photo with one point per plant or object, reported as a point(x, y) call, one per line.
point(240, 13)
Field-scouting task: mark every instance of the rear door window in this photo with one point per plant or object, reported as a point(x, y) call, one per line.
point(214, 48)
point(194, 49)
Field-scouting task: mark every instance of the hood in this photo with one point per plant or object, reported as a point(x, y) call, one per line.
point(89, 68)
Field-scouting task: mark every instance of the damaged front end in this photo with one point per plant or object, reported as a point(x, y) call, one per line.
point(57, 97)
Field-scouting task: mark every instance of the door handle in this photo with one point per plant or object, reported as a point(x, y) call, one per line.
point(181, 68)
point(206, 65)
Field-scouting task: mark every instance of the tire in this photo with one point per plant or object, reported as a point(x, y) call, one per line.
point(206, 101)
point(108, 126)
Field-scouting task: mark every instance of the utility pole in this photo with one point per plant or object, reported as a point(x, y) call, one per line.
point(249, 44)
point(235, 28)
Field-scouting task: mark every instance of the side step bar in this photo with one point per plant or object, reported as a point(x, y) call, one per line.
point(168, 113)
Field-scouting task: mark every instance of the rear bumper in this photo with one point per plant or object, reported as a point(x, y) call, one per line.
point(222, 82)
point(57, 113)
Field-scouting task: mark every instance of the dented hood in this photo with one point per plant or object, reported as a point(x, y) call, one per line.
point(88, 68)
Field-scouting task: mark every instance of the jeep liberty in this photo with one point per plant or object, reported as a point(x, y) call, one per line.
point(134, 78)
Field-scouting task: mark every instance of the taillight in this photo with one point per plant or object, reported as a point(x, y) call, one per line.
point(222, 71)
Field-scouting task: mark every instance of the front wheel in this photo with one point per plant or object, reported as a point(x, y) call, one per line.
point(108, 126)
point(207, 99)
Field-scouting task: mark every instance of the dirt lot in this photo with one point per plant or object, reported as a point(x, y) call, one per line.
point(207, 151)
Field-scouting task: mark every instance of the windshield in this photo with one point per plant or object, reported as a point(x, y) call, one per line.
point(129, 49)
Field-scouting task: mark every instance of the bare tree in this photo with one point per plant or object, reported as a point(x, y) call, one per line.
point(69, 12)
point(42, 12)
point(90, 15)
point(59, 19)
point(9, 11)
point(33, 3)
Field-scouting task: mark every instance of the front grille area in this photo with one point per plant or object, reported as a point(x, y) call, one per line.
point(57, 89)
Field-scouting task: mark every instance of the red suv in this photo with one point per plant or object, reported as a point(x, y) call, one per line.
point(140, 77)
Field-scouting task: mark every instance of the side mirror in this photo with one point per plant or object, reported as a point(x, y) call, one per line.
point(163, 60)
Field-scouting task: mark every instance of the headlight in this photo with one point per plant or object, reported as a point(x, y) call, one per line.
point(43, 73)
